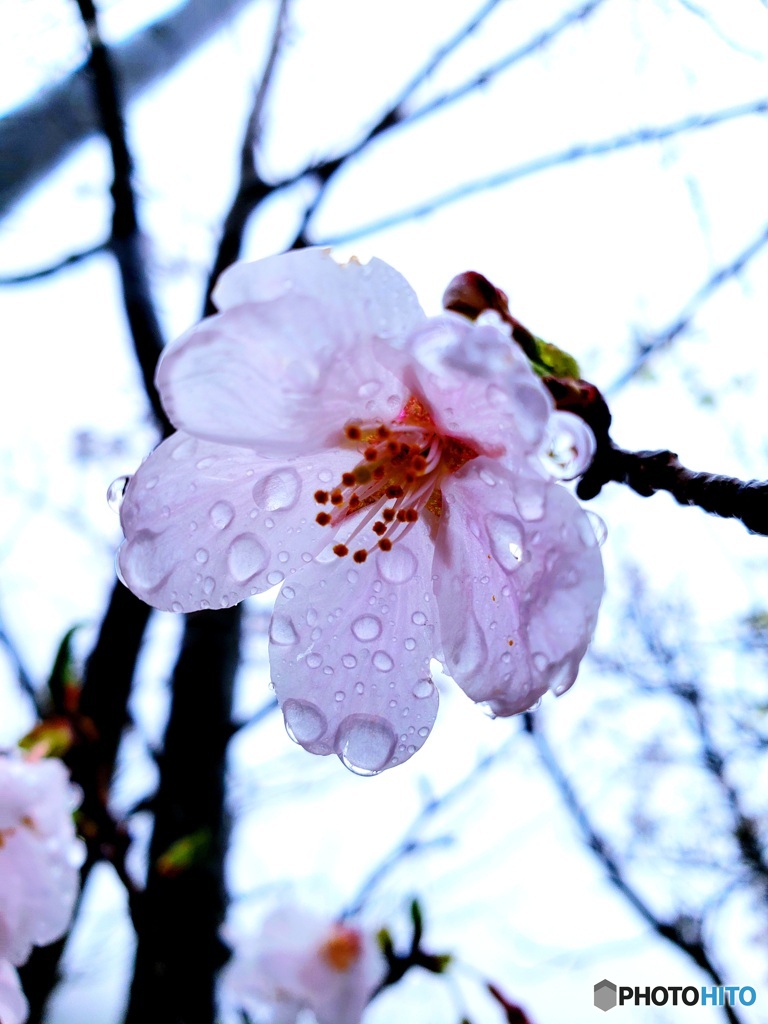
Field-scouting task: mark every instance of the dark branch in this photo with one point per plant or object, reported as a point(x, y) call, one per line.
point(36, 137)
point(666, 930)
point(582, 151)
point(64, 264)
point(649, 472)
point(652, 345)
point(23, 676)
point(125, 240)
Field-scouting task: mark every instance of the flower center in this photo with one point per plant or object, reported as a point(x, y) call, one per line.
point(342, 948)
point(397, 478)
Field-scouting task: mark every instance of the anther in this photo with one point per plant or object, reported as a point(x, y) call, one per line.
point(354, 501)
point(395, 491)
point(336, 498)
point(411, 515)
point(388, 514)
point(370, 454)
point(321, 497)
point(323, 518)
point(340, 550)
point(361, 555)
point(348, 479)
point(401, 515)
point(385, 544)
point(353, 433)
point(383, 431)
point(379, 527)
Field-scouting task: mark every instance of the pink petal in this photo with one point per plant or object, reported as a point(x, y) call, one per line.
point(207, 525)
point(479, 386)
point(366, 301)
point(350, 649)
point(519, 582)
point(14, 1008)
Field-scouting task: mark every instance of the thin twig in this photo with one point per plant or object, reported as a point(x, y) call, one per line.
point(694, 949)
point(29, 276)
point(573, 154)
point(23, 676)
point(653, 344)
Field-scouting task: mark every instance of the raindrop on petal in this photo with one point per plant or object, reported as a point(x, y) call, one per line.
point(398, 565)
point(423, 688)
point(304, 722)
point(222, 514)
point(246, 557)
point(282, 631)
point(568, 447)
point(278, 491)
point(116, 492)
point(365, 743)
point(507, 536)
point(598, 526)
point(366, 628)
point(382, 661)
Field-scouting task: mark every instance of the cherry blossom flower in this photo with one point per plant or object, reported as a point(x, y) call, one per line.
point(14, 1008)
point(302, 961)
point(39, 854)
point(386, 468)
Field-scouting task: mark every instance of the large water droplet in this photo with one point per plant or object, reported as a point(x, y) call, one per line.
point(468, 649)
point(314, 660)
point(398, 565)
point(246, 557)
point(424, 688)
point(568, 447)
point(366, 628)
point(282, 631)
point(141, 563)
point(348, 660)
point(506, 535)
point(598, 526)
point(419, 619)
point(279, 490)
point(365, 743)
point(222, 514)
point(116, 492)
point(382, 661)
point(540, 661)
point(304, 723)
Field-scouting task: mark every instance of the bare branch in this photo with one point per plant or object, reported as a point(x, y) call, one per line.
point(671, 932)
point(69, 261)
point(573, 154)
point(653, 344)
point(23, 676)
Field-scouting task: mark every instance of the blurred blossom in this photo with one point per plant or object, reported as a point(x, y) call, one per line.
point(13, 1005)
point(303, 961)
point(387, 468)
point(39, 854)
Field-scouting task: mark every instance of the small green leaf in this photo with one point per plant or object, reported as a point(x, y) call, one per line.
point(552, 361)
point(184, 853)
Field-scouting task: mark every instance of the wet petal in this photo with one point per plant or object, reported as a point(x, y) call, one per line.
point(519, 583)
point(275, 376)
point(206, 525)
point(13, 1004)
point(368, 300)
point(479, 386)
point(350, 649)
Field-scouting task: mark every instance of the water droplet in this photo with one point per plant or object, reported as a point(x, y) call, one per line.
point(314, 660)
point(222, 514)
point(423, 688)
point(282, 631)
point(176, 607)
point(280, 490)
point(365, 743)
point(283, 557)
point(339, 696)
point(568, 447)
point(366, 628)
point(141, 564)
point(275, 577)
point(562, 679)
point(288, 593)
point(116, 492)
point(246, 557)
point(468, 649)
point(382, 661)
point(184, 449)
point(359, 688)
point(423, 731)
point(311, 616)
point(201, 556)
point(398, 565)
point(369, 389)
point(409, 643)
point(540, 661)
point(506, 535)
point(304, 723)
point(598, 526)
point(419, 619)
point(487, 478)
point(325, 476)
point(269, 523)
point(348, 660)
point(208, 585)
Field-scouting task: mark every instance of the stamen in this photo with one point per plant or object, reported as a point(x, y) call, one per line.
point(340, 550)
point(361, 555)
point(337, 498)
point(388, 514)
point(385, 544)
point(321, 497)
point(323, 518)
point(379, 527)
point(348, 479)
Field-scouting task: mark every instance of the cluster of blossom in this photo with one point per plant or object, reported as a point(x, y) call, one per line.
point(39, 860)
point(301, 961)
point(388, 469)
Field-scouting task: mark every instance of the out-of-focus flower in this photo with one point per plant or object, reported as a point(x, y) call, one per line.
point(302, 961)
point(387, 468)
point(13, 1005)
point(39, 854)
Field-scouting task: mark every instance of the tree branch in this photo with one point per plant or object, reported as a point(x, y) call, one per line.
point(68, 261)
point(37, 136)
point(573, 154)
point(694, 949)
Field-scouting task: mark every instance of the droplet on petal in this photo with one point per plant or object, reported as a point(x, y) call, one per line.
point(382, 661)
point(568, 446)
point(246, 557)
point(598, 526)
point(366, 628)
point(398, 565)
point(365, 743)
point(304, 722)
point(278, 491)
point(506, 535)
point(222, 514)
point(116, 492)
point(424, 688)
point(282, 631)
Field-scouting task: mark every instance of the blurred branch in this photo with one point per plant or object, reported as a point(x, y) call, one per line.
point(396, 117)
point(125, 239)
point(22, 675)
point(68, 261)
point(573, 154)
point(37, 136)
point(695, 949)
point(251, 189)
point(653, 344)
point(257, 717)
point(411, 842)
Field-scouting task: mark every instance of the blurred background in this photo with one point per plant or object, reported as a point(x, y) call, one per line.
point(605, 164)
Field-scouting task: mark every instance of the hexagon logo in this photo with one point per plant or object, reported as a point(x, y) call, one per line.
point(605, 995)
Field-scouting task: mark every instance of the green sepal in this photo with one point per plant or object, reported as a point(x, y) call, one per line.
point(551, 361)
point(185, 853)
